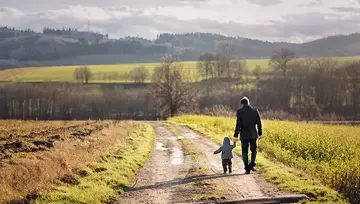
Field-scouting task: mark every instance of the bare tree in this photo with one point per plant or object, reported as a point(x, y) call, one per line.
point(353, 78)
point(325, 64)
point(205, 65)
point(225, 51)
point(238, 68)
point(219, 67)
point(280, 60)
point(78, 75)
point(309, 63)
point(114, 76)
point(206, 70)
point(308, 109)
point(170, 90)
point(139, 74)
point(323, 75)
point(83, 74)
point(257, 71)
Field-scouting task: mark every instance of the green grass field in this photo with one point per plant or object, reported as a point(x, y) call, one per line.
point(66, 73)
point(63, 73)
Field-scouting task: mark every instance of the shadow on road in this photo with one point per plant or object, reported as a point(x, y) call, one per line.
point(182, 181)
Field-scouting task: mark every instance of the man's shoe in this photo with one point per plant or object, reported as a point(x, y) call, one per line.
point(230, 171)
point(253, 168)
point(224, 172)
point(247, 172)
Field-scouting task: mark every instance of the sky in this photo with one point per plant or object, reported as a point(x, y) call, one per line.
point(272, 20)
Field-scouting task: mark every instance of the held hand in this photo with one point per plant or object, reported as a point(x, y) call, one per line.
point(235, 139)
point(260, 136)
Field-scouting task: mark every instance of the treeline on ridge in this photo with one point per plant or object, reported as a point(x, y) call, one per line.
point(22, 48)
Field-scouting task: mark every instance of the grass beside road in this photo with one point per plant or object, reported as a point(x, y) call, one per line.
point(286, 176)
point(110, 175)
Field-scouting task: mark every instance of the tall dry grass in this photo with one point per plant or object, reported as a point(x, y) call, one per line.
point(36, 172)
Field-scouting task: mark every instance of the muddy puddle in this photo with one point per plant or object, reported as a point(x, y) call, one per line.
point(160, 146)
point(190, 135)
point(177, 156)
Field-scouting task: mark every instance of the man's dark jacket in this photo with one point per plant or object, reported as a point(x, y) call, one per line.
point(247, 119)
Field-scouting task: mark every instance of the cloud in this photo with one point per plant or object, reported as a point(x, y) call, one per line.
point(321, 25)
point(265, 2)
point(41, 5)
point(346, 9)
point(119, 20)
point(12, 11)
point(312, 3)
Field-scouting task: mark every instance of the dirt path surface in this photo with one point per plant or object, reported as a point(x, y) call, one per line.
point(183, 169)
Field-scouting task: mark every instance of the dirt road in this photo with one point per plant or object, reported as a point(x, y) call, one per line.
point(183, 169)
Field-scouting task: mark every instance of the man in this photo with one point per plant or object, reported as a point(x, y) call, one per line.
point(247, 119)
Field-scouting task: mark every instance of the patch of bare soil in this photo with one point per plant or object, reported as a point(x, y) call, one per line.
point(183, 169)
point(35, 141)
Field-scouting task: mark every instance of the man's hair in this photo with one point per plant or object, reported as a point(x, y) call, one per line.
point(245, 101)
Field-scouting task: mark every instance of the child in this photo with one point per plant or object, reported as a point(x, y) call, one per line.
point(226, 154)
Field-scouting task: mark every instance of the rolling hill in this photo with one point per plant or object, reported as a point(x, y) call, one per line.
point(52, 47)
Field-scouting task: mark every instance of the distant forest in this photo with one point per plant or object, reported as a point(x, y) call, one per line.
point(68, 46)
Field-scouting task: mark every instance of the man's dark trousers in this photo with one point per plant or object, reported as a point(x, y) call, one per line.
point(245, 152)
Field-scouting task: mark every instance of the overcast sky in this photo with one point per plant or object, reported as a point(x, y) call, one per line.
point(272, 20)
